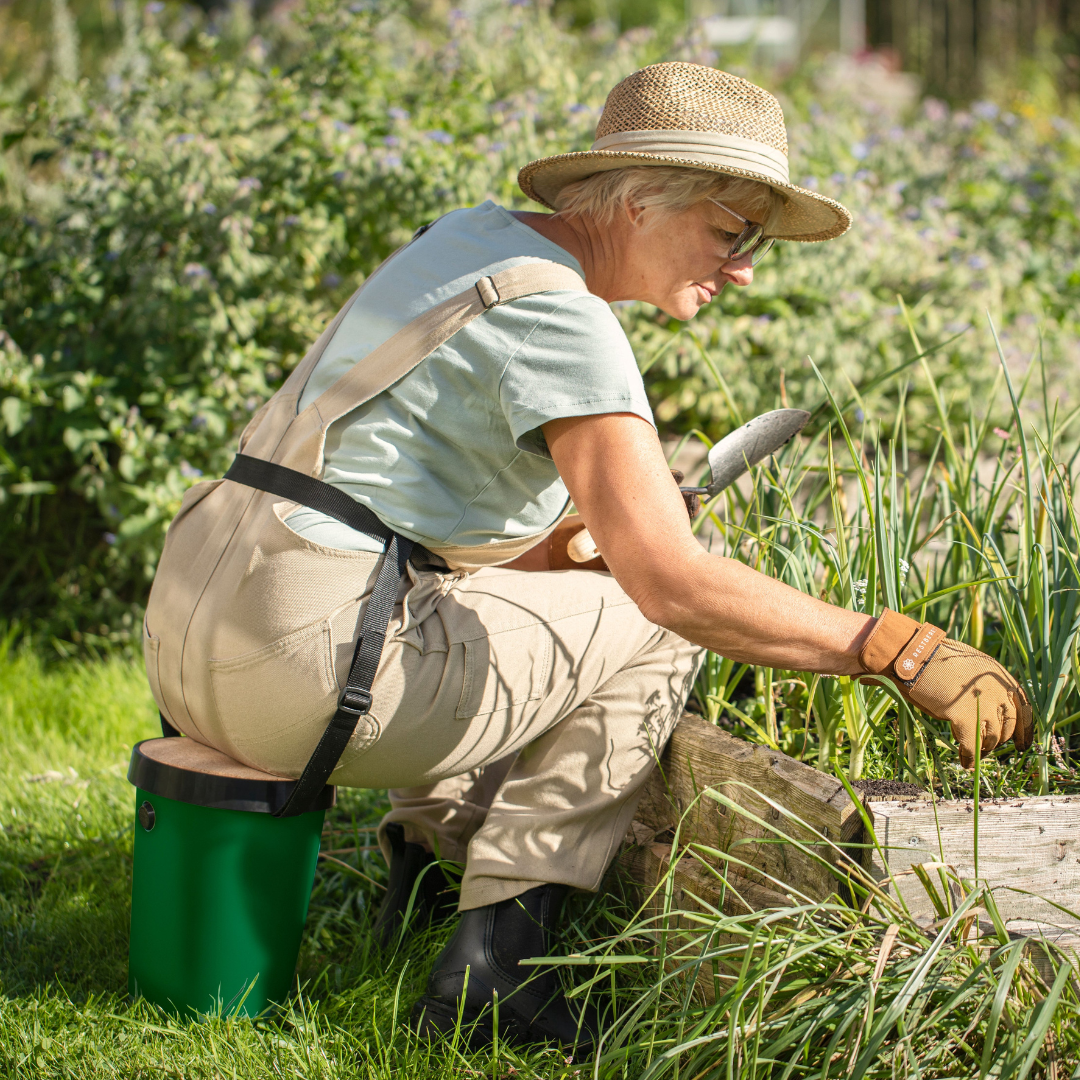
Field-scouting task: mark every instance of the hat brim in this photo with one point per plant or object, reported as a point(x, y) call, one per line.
point(805, 216)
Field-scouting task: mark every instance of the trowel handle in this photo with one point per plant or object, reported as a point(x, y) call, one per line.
point(582, 547)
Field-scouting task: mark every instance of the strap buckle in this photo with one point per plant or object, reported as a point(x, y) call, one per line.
point(355, 701)
point(489, 295)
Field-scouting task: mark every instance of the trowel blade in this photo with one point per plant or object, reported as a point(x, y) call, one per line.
point(749, 444)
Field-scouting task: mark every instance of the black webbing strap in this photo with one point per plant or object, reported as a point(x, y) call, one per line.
point(315, 494)
point(355, 700)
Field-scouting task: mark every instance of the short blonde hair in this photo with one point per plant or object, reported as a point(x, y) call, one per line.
point(665, 190)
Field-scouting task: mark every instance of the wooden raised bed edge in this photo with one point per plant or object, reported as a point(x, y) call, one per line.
point(1025, 846)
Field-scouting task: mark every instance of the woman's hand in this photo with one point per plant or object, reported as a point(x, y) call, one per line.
point(984, 704)
point(614, 468)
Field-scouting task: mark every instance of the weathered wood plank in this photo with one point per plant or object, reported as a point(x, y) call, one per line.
point(1029, 849)
point(701, 756)
point(1029, 845)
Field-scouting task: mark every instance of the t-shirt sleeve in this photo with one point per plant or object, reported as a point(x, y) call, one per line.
point(575, 361)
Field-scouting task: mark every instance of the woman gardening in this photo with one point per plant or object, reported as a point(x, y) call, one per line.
point(378, 593)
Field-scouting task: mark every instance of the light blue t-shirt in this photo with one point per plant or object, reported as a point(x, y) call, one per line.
point(453, 452)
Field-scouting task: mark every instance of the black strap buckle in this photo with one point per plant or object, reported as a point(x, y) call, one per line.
point(355, 701)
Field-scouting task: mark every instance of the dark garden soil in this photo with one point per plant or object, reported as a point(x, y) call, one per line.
point(888, 789)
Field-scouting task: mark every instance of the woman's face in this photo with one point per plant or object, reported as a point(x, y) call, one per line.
point(680, 262)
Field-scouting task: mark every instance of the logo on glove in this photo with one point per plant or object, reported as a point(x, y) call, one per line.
point(908, 664)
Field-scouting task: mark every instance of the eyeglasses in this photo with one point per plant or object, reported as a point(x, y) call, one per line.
point(751, 241)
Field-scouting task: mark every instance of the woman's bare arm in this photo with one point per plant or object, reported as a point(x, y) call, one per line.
point(614, 468)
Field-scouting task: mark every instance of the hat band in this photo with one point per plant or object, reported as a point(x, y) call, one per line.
point(712, 147)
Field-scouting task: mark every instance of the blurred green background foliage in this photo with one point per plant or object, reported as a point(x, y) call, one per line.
point(186, 199)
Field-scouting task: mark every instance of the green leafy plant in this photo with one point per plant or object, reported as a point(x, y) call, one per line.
point(979, 538)
point(170, 250)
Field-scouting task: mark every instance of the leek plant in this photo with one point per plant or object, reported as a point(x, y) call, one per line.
point(979, 536)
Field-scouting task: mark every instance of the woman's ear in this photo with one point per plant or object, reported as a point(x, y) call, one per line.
point(635, 213)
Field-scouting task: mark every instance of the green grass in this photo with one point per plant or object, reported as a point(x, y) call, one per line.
point(812, 989)
point(67, 811)
point(66, 857)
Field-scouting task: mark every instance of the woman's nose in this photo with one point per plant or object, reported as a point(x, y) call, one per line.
point(739, 272)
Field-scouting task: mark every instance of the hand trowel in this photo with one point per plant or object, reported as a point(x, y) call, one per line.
point(728, 460)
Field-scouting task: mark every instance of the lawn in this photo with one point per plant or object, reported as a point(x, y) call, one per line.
point(65, 858)
point(795, 991)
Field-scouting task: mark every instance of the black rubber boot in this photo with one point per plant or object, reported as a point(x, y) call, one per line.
point(435, 899)
point(489, 942)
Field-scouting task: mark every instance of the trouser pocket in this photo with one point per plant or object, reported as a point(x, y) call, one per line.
point(497, 680)
point(274, 703)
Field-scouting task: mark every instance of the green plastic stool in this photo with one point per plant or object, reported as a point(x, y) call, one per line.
point(220, 887)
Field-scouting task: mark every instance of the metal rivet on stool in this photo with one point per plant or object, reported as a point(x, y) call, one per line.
point(147, 816)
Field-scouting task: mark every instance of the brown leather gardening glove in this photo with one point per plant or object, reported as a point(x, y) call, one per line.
point(950, 681)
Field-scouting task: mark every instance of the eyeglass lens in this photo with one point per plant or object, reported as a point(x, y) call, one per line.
point(751, 241)
point(745, 242)
point(762, 251)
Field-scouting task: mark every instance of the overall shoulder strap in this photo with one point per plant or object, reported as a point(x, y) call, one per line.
point(414, 342)
point(294, 385)
point(299, 376)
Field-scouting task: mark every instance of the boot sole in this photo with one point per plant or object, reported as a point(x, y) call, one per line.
point(431, 1018)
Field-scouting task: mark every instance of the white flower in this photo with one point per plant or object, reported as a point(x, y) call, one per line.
point(858, 592)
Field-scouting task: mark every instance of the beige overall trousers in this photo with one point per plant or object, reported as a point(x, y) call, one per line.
point(516, 715)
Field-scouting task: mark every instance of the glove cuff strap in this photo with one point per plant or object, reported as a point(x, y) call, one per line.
point(887, 641)
point(917, 651)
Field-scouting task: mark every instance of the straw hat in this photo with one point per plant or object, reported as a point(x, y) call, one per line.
point(687, 114)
